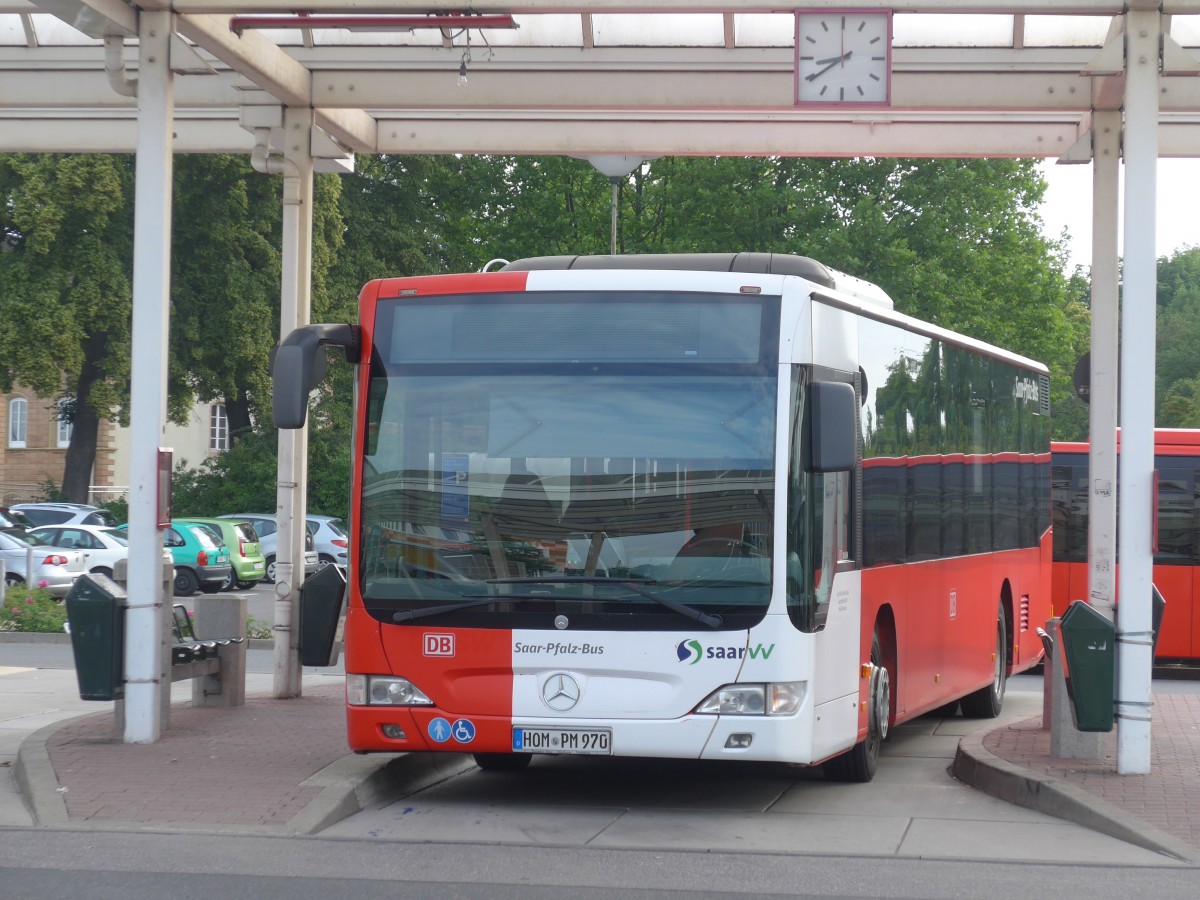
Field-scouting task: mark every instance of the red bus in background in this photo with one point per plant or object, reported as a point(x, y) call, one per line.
point(1177, 554)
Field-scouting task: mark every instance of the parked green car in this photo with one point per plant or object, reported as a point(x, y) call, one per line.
point(248, 565)
point(199, 553)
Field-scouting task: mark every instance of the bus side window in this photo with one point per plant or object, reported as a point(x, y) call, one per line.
point(818, 516)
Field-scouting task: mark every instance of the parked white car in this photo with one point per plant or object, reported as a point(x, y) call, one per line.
point(54, 568)
point(101, 547)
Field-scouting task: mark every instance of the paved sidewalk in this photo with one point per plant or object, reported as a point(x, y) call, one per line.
point(1160, 811)
point(281, 767)
point(271, 766)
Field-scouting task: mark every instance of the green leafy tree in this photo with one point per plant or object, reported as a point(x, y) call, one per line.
point(66, 292)
point(1178, 358)
point(225, 284)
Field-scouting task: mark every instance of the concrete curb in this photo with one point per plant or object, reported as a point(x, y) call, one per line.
point(354, 783)
point(348, 785)
point(36, 778)
point(977, 766)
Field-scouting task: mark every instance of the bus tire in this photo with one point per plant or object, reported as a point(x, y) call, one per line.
point(502, 762)
point(858, 764)
point(987, 702)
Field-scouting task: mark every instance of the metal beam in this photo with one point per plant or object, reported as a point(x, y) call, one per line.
point(22, 134)
point(1045, 7)
point(574, 135)
point(251, 55)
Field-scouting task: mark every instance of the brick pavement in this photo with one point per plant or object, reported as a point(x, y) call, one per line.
point(240, 766)
point(1168, 798)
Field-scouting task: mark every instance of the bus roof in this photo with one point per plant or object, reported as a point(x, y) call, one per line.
point(755, 263)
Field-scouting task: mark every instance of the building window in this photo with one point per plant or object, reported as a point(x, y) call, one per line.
point(17, 410)
point(65, 425)
point(218, 428)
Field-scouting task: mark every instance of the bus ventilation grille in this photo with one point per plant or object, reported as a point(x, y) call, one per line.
point(1024, 614)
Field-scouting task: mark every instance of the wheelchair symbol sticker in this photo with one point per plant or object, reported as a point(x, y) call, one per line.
point(439, 730)
point(464, 731)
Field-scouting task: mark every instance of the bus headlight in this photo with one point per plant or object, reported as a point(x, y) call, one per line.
point(383, 690)
point(772, 699)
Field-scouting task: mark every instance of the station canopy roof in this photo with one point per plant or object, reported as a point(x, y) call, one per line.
point(701, 77)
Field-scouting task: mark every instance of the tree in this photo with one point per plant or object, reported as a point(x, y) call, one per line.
point(1178, 359)
point(225, 282)
point(66, 280)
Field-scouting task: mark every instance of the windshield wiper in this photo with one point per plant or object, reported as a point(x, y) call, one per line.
point(632, 583)
point(407, 615)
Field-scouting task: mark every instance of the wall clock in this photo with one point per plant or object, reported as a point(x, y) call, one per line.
point(843, 56)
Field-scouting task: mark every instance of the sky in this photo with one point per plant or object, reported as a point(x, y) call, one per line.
point(1068, 205)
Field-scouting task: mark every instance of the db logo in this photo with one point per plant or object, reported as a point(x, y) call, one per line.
point(439, 644)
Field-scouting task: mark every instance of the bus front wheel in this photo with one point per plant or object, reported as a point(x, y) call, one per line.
point(859, 763)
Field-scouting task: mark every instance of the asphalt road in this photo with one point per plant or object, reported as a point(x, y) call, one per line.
point(591, 828)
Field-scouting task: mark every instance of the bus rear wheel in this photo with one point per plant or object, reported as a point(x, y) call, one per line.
point(987, 702)
point(858, 764)
point(502, 762)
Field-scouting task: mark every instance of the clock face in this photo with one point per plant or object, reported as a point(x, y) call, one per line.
point(843, 57)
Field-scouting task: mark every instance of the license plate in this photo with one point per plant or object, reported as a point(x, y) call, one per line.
point(562, 740)
point(257, 566)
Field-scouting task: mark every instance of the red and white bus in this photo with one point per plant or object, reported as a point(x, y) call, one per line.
point(718, 506)
point(1177, 535)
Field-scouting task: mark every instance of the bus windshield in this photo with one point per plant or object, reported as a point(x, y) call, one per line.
point(620, 493)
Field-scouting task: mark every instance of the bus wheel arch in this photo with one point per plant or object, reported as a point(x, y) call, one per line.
point(858, 764)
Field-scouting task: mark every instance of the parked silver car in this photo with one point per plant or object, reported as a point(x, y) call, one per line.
point(65, 514)
point(331, 536)
point(54, 568)
point(266, 525)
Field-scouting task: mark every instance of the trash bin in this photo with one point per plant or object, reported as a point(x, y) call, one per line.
point(1089, 656)
point(321, 600)
point(96, 612)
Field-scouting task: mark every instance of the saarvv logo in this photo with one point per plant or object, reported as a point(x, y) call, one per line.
point(690, 651)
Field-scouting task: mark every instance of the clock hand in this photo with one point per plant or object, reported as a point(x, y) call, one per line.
point(827, 65)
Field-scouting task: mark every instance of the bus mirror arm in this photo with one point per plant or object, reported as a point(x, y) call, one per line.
point(298, 365)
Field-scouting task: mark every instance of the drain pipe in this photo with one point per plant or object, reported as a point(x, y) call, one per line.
point(114, 66)
point(262, 160)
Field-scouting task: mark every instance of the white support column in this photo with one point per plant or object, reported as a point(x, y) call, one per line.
point(292, 487)
point(1102, 411)
point(1136, 479)
point(144, 689)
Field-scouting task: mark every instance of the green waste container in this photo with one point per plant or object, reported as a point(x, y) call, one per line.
point(321, 600)
point(1089, 657)
point(96, 613)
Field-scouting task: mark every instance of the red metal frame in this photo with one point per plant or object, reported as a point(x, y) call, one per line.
point(238, 24)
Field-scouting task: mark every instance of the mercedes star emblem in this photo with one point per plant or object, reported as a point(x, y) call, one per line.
point(560, 692)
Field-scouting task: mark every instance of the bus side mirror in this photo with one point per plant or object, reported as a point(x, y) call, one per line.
point(290, 373)
point(298, 364)
point(834, 433)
